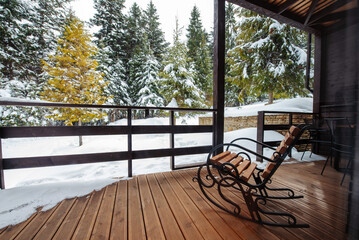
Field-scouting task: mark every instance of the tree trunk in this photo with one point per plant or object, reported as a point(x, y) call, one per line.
point(270, 97)
point(80, 137)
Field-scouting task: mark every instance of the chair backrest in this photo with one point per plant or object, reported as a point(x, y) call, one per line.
point(282, 151)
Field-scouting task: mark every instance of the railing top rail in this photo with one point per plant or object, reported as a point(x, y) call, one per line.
point(284, 112)
point(107, 106)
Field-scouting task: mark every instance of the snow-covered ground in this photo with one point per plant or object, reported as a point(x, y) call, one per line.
point(29, 189)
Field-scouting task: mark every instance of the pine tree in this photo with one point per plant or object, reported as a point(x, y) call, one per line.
point(111, 42)
point(155, 35)
point(135, 30)
point(73, 77)
point(177, 76)
point(268, 59)
point(143, 70)
point(27, 33)
point(200, 54)
point(231, 90)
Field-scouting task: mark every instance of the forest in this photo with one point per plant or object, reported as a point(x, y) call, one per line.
point(47, 53)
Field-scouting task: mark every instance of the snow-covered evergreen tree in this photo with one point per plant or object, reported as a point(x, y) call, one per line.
point(155, 35)
point(27, 34)
point(200, 54)
point(135, 30)
point(73, 77)
point(144, 68)
point(111, 42)
point(28, 31)
point(177, 76)
point(268, 59)
point(231, 90)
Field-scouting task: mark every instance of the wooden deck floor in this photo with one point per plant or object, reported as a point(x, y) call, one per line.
point(170, 206)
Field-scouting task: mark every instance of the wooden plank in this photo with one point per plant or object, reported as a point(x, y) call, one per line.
point(35, 225)
point(119, 220)
point(136, 228)
point(248, 172)
point(11, 232)
point(217, 157)
point(49, 229)
point(183, 219)
point(215, 219)
point(71, 221)
point(169, 224)
point(152, 222)
point(102, 225)
point(241, 167)
point(202, 224)
point(87, 221)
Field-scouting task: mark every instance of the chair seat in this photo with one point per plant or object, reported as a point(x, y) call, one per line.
point(245, 168)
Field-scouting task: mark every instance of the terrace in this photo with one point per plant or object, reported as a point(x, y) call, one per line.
point(169, 204)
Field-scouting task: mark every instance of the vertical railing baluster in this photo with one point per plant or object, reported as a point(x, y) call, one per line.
point(2, 179)
point(260, 134)
point(129, 140)
point(172, 139)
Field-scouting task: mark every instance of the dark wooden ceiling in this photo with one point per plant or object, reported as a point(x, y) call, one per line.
point(309, 15)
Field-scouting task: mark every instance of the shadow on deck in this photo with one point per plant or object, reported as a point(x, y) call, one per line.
point(170, 206)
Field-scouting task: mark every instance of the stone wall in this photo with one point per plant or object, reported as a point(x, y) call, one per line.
point(235, 123)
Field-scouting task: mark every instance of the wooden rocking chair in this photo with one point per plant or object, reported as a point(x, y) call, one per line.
point(231, 170)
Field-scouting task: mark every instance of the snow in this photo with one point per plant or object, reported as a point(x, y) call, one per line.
point(30, 189)
point(304, 105)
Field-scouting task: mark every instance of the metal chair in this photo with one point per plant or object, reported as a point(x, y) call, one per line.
point(342, 142)
point(316, 134)
point(233, 169)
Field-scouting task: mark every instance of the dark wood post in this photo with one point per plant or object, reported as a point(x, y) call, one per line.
point(317, 73)
point(129, 140)
point(219, 69)
point(172, 139)
point(2, 179)
point(260, 134)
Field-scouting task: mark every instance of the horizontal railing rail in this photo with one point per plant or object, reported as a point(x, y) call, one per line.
point(263, 126)
point(129, 130)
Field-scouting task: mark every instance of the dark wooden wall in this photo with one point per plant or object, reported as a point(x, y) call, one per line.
point(339, 72)
point(337, 96)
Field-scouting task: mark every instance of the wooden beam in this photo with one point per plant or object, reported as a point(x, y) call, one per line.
point(327, 11)
point(337, 16)
point(268, 10)
point(287, 4)
point(219, 69)
point(59, 160)
point(310, 11)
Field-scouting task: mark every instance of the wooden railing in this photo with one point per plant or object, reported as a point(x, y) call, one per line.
point(129, 130)
point(262, 126)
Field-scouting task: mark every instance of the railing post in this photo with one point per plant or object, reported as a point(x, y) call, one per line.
point(172, 139)
point(2, 179)
point(290, 124)
point(129, 140)
point(260, 134)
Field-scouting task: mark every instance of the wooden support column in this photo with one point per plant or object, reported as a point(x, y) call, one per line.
point(317, 73)
point(218, 71)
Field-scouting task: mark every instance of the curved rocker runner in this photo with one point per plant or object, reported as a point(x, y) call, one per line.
point(231, 171)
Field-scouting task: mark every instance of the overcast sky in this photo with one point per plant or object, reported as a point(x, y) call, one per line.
point(166, 9)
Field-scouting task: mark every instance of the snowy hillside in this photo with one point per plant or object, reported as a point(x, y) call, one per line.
point(28, 189)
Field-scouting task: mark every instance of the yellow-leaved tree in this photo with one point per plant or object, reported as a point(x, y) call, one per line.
point(73, 77)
